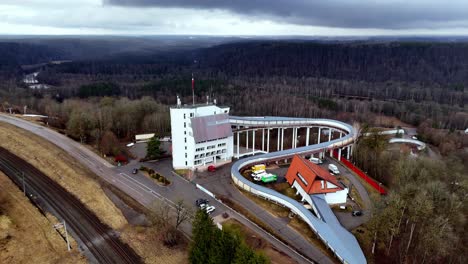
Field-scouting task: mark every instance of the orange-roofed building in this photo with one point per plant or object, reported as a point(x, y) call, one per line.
point(309, 179)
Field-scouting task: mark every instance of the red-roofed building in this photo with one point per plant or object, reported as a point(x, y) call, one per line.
point(309, 179)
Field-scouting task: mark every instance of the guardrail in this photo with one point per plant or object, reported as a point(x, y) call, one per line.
point(360, 173)
point(344, 245)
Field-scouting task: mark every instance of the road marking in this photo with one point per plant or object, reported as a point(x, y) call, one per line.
point(139, 193)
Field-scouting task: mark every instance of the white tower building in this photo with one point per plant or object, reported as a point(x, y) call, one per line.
point(201, 135)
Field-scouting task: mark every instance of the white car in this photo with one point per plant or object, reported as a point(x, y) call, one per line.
point(315, 160)
point(209, 209)
point(258, 174)
point(333, 169)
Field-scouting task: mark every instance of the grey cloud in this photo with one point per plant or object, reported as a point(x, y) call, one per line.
point(398, 14)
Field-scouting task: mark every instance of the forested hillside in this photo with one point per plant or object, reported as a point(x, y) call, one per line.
point(413, 81)
point(427, 63)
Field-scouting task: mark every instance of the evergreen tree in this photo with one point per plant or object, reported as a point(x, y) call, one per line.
point(153, 150)
point(213, 246)
point(203, 232)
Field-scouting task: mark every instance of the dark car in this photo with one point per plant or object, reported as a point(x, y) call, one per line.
point(356, 213)
point(135, 171)
point(201, 201)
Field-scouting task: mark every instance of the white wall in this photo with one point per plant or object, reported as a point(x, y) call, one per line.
point(183, 143)
point(337, 197)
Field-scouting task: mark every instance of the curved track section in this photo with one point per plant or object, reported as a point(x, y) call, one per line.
point(421, 145)
point(343, 244)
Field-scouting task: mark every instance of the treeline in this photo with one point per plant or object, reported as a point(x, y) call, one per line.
point(423, 219)
point(212, 245)
point(105, 121)
point(423, 62)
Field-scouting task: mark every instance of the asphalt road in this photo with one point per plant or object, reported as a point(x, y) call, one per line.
point(146, 191)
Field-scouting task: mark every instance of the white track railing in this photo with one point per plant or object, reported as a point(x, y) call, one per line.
point(343, 245)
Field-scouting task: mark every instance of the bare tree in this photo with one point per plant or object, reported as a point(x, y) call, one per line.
point(183, 213)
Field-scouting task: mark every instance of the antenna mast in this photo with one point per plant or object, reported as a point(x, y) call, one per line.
point(193, 90)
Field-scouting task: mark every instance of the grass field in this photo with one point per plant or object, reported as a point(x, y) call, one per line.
point(27, 236)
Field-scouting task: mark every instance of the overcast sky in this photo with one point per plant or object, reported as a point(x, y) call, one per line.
point(235, 17)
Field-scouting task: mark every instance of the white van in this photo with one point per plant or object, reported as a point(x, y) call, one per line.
point(333, 169)
point(315, 160)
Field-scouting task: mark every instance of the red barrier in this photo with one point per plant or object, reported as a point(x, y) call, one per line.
point(361, 174)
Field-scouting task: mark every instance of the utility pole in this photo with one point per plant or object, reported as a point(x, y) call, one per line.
point(64, 225)
point(66, 235)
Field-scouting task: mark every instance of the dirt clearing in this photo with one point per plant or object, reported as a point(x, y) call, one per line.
point(27, 236)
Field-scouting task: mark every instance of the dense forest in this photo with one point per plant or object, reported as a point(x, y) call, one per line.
point(113, 89)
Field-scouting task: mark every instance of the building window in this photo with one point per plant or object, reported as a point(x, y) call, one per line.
point(185, 147)
point(185, 163)
point(185, 155)
point(185, 124)
point(225, 111)
point(184, 116)
point(302, 179)
point(185, 132)
point(211, 147)
point(191, 114)
point(185, 139)
point(221, 145)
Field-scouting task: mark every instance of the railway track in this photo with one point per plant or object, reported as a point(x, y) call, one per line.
point(94, 236)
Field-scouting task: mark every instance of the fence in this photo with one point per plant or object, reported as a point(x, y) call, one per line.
point(361, 174)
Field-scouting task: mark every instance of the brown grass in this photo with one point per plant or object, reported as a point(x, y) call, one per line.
point(63, 169)
point(27, 235)
point(258, 243)
point(146, 242)
point(274, 209)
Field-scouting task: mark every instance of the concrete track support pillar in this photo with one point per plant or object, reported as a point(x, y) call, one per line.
point(319, 134)
point(268, 140)
point(279, 138)
point(339, 154)
point(246, 139)
point(238, 144)
point(253, 142)
point(263, 139)
point(307, 136)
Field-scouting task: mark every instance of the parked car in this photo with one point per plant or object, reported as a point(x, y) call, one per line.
point(135, 171)
point(209, 209)
point(356, 213)
point(333, 169)
point(201, 201)
point(315, 160)
point(211, 168)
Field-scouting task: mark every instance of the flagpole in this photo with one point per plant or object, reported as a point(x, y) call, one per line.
point(193, 90)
